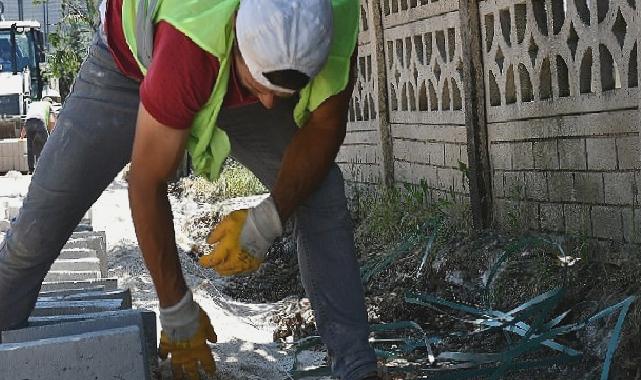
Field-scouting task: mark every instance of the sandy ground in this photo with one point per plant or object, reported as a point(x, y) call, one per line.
point(244, 349)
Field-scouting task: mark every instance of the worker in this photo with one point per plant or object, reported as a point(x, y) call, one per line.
point(268, 81)
point(38, 124)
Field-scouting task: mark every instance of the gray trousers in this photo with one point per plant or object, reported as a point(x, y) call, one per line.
point(36, 138)
point(91, 144)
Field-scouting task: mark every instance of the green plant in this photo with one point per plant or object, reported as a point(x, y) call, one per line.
point(78, 23)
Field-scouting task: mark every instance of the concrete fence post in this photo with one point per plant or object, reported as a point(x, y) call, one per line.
point(475, 115)
point(385, 133)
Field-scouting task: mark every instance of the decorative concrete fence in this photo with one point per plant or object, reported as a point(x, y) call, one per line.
point(528, 110)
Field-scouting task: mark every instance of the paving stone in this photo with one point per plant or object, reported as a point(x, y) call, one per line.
point(121, 294)
point(77, 253)
point(108, 283)
point(56, 276)
point(45, 308)
point(109, 354)
point(145, 320)
point(85, 264)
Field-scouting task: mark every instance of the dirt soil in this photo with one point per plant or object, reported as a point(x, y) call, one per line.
point(457, 270)
point(256, 315)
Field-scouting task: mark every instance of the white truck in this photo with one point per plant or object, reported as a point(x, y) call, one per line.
point(21, 60)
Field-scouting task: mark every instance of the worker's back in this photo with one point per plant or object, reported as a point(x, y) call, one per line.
point(39, 110)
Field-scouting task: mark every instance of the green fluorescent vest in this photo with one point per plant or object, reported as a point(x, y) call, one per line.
point(209, 24)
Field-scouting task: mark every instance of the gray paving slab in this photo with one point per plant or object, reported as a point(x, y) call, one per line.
point(108, 283)
point(102, 355)
point(84, 264)
point(77, 253)
point(144, 319)
point(77, 307)
point(121, 294)
point(74, 275)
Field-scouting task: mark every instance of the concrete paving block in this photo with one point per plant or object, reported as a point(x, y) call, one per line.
point(46, 308)
point(68, 292)
point(55, 275)
point(77, 253)
point(144, 319)
point(13, 209)
point(109, 354)
point(82, 227)
point(96, 240)
point(121, 294)
point(108, 283)
point(87, 264)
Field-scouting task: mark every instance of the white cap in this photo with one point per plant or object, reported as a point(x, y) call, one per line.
point(284, 35)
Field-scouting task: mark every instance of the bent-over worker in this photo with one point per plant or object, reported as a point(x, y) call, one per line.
point(267, 81)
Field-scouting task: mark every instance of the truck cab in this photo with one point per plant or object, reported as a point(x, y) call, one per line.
point(21, 57)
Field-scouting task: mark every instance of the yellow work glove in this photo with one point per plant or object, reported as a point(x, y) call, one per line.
point(185, 332)
point(242, 239)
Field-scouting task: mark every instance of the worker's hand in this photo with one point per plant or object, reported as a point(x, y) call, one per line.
point(23, 133)
point(242, 239)
point(185, 332)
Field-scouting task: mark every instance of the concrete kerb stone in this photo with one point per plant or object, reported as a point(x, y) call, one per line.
point(107, 354)
point(77, 253)
point(121, 294)
point(76, 275)
point(145, 321)
point(84, 264)
point(96, 240)
point(108, 283)
point(68, 292)
point(44, 308)
point(148, 318)
point(4, 225)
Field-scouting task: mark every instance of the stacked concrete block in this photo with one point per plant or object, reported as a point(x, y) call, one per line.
point(82, 326)
point(13, 155)
point(107, 354)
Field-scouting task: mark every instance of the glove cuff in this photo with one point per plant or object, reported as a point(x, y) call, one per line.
point(180, 321)
point(262, 226)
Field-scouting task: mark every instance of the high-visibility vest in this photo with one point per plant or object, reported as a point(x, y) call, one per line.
point(209, 24)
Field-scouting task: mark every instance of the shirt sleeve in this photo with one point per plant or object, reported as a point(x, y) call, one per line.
point(179, 80)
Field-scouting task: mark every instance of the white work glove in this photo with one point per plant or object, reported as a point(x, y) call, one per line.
point(242, 239)
point(261, 228)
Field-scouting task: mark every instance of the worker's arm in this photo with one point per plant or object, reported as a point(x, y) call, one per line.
point(185, 327)
point(51, 122)
point(156, 153)
point(312, 151)
point(243, 237)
